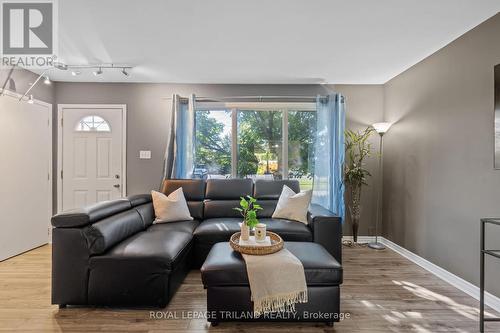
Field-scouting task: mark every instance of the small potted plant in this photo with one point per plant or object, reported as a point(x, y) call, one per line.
point(248, 209)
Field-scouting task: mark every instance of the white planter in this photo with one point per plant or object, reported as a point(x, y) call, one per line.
point(245, 232)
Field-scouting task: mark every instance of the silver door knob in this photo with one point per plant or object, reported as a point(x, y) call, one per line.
point(116, 185)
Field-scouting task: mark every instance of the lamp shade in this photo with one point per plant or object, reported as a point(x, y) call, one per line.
point(381, 128)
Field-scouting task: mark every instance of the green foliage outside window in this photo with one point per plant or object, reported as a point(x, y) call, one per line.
point(212, 146)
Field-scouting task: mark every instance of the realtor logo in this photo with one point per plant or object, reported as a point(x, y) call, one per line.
point(27, 28)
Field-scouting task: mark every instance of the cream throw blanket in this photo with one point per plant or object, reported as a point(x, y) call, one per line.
point(277, 281)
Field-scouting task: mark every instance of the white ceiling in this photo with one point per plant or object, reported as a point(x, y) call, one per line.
point(260, 41)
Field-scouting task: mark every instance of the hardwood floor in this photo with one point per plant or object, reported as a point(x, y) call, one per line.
point(382, 292)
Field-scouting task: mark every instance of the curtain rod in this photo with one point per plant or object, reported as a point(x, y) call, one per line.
point(215, 98)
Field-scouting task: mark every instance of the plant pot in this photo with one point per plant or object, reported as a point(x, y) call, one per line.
point(355, 217)
point(245, 231)
point(355, 227)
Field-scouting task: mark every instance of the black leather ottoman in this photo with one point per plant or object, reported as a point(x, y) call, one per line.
point(224, 276)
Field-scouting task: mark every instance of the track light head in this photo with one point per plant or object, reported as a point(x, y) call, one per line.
point(98, 72)
point(46, 80)
point(30, 100)
point(124, 72)
point(60, 66)
point(75, 73)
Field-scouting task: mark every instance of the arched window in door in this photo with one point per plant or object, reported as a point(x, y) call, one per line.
point(92, 124)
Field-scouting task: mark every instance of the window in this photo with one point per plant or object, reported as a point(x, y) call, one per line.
point(260, 144)
point(212, 144)
point(255, 141)
point(301, 140)
point(92, 124)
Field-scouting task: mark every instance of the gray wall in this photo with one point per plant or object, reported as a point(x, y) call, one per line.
point(149, 116)
point(438, 168)
point(365, 105)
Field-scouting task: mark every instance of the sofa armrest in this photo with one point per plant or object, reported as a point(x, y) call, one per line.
point(70, 268)
point(80, 233)
point(327, 229)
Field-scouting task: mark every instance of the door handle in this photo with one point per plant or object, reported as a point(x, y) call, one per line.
point(116, 185)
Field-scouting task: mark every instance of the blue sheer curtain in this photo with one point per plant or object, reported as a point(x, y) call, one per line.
point(328, 186)
point(180, 147)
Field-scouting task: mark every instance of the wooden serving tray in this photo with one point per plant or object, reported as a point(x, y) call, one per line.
point(276, 245)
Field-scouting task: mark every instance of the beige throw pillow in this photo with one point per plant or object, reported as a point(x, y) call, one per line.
point(172, 208)
point(293, 206)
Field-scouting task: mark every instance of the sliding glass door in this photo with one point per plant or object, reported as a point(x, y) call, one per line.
point(256, 142)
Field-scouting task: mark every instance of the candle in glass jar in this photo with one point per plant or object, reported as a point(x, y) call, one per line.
point(260, 232)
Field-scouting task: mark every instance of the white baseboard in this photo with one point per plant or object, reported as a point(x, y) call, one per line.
point(362, 239)
point(470, 289)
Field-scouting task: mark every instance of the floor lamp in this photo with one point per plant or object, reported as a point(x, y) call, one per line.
point(381, 129)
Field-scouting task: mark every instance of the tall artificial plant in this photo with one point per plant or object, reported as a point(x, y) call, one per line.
point(357, 148)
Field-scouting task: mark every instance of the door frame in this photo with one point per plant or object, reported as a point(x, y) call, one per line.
point(60, 109)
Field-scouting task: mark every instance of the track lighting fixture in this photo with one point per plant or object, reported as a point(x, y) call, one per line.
point(75, 70)
point(97, 69)
point(98, 72)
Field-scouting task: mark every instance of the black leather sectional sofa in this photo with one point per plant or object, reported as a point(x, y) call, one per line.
point(111, 253)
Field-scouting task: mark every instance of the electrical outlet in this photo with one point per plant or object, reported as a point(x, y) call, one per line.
point(145, 154)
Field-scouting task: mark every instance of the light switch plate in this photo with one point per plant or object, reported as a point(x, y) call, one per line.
point(145, 154)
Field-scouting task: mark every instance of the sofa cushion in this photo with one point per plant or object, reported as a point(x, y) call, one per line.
point(268, 208)
point(194, 189)
point(139, 199)
point(171, 208)
point(194, 192)
point(293, 206)
point(106, 233)
point(161, 245)
point(288, 230)
point(271, 189)
point(216, 230)
point(185, 226)
point(228, 189)
point(147, 213)
point(225, 267)
point(196, 209)
point(220, 208)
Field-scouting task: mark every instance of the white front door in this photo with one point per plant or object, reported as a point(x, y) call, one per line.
point(92, 155)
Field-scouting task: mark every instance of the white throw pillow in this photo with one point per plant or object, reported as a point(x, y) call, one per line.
point(293, 206)
point(172, 208)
